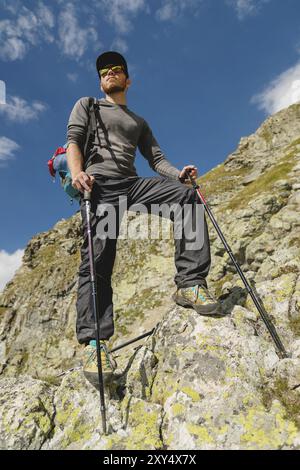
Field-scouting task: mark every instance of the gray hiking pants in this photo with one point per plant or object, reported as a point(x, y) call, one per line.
point(192, 265)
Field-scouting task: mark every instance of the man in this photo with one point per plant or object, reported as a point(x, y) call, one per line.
point(104, 164)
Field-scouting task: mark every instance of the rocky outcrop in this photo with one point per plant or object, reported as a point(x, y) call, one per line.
point(196, 383)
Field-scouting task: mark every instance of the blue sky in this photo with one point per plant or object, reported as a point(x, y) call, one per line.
point(204, 72)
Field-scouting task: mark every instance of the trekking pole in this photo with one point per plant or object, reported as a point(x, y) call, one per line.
point(87, 200)
point(132, 341)
point(265, 317)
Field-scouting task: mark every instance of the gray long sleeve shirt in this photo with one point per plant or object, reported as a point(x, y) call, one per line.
point(111, 149)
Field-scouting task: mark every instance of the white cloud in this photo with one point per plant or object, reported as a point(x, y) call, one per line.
point(283, 91)
point(73, 77)
point(2, 92)
point(17, 109)
point(121, 12)
point(9, 263)
point(73, 25)
point(74, 39)
point(246, 8)
point(73, 28)
point(12, 5)
point(28, 28)
point(119, 45)
point(7, 150)
point(170, 10)
point(13, 48)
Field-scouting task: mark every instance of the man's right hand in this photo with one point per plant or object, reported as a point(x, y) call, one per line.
point(83, 182)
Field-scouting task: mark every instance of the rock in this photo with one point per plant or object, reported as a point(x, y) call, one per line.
point(77, 416)
point(27, 413)
point(289, 371)
point(259, 248)
point(251, 177)
point(141, 374)
point(226, 288)
point(294, 307)
point(295, 349)
point(218, 270)
point(282, 184)
point(267, 144)
point(210, 399)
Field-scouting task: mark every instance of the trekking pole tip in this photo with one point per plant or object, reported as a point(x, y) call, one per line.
point(285, 354)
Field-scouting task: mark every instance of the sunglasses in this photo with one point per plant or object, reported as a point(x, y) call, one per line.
point(114, 68)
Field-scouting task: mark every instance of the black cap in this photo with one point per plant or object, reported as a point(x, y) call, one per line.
point(109, 58)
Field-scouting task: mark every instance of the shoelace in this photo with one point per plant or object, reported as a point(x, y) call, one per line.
point(195, 289)
point(93, 356)
point(202, 297)
point(208, 294)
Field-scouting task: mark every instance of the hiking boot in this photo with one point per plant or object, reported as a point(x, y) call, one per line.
point(199, 298)
point(90, 364)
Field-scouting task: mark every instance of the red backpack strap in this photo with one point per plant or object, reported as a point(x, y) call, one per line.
point(59, 151)
point(50, 167)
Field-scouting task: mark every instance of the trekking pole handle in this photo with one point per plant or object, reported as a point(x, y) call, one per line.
point(192, 179)
point(87, 195)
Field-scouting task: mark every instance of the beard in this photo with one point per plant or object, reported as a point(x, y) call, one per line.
point(109, 89)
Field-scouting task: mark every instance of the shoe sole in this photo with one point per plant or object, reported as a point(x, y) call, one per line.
point(205, 310)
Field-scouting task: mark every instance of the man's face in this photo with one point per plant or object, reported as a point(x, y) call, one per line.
point(114, 81)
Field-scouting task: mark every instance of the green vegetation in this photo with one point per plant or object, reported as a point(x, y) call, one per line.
point(293, 144)
point(287, 397)
point(295, 326)
point(193, 394)
point(219, 284)
point(47, 264)
point(178, 409)
point(144, 422)
point(22, 362)
point(264, 183)
point(73, 422)
point(201, 433)
point(295, 241)
point(137, 307)
point(220, 180)
point(258, 435)
point(51, 379)
point(267, 135)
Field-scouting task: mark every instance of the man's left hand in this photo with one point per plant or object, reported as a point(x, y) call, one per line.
point(188, 170)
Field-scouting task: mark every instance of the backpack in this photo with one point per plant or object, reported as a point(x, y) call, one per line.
point(58, 162)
